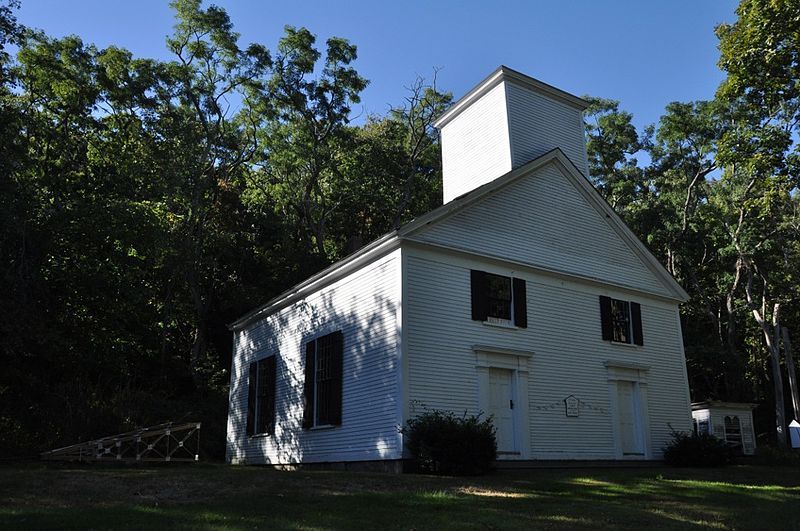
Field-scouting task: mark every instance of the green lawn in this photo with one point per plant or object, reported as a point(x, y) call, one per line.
point(220, 497)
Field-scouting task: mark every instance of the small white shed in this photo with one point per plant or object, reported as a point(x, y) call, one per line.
point(730, 421)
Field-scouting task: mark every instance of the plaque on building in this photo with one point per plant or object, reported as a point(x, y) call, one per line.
point(572, 405)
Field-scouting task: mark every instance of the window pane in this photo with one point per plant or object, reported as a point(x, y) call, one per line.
point(499, 296)
point(324, 378)
point(620, 319)
point(264, 406)
point(733, 430)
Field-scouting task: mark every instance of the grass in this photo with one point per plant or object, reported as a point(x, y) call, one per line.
point(221, 497)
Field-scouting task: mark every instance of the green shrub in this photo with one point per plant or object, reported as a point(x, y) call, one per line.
point(692, 449)
point(777, 455)
point(443, 443)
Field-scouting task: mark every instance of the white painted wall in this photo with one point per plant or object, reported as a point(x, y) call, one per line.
point(716, 417)
point(398, 356)
point(366, 306)
point(475, 145)
point(505, 128)
point(569, 356)
point(538, 124)
point(544, 220)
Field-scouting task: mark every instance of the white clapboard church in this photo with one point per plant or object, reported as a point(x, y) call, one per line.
point(524, 297)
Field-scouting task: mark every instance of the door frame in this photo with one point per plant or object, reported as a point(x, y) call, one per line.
point(637, 375)
point(517, 362)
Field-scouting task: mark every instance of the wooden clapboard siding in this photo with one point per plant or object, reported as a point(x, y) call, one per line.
point(364, 306)
point(403, 303)
point(568, 353)
point(716, 417)
point(475, 146)
point(543, 219)
point(538, 124)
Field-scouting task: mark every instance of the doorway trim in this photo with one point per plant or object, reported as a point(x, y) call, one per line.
point(637, 374)
point(517, 361)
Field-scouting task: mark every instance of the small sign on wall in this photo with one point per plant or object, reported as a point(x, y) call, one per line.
point(572, 405)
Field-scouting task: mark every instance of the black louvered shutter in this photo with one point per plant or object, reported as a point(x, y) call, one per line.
point(606, 323)
point(480, 295)
point(636, 317)
point(308, 388)
point(268, 394)
point(520, 304)
point(251, 398)
point(337, 373)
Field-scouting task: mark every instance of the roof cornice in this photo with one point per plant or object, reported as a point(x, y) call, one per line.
point(722, 404)
point(503, 73)
point(583, 185)
point(335, 271)
point(393, 240)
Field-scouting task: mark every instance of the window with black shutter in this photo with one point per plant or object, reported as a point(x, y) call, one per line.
point(261, 391)
point(498, 299)
point(621, 321)
point(323, 381)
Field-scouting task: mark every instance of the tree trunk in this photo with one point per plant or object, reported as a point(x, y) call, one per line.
point(774, 351)
point(787, 351)
point(777, 381)
point(731, 365)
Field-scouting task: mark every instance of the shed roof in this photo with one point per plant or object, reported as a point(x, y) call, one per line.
point(712, 404)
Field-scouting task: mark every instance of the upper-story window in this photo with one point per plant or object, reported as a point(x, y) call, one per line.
point(621, 321)
point(498, 298)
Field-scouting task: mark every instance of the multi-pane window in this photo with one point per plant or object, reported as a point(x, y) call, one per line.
point(497, 298)
point(733, 431)
point(323, 381)
point(621, 321)
point(262, 384)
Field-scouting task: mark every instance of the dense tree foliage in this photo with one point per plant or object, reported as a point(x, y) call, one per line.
point(146, 203)
point(719, 205)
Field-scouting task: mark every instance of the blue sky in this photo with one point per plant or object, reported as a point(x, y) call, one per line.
point(645, 54)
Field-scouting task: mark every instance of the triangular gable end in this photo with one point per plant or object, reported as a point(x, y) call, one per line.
point(547, 215)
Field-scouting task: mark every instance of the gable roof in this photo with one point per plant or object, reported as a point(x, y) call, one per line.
point(593, 197)
point(392, 240)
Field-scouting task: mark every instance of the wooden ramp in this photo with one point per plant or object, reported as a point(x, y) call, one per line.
point(161, 443)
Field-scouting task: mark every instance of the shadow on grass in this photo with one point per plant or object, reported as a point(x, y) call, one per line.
point(320, 501)
point(251, 498)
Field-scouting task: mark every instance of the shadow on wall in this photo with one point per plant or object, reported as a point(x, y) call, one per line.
point(370, 395)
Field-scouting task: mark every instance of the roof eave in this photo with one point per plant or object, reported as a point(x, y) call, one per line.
point(353, 261)
point(504, 73)
point(706, 404)
point(676, 292)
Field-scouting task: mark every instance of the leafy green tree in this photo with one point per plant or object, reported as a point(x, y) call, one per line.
point(421, 171)
point(392, 173)
point(758, 152)
point(307, 128)
point(612, 143)
point(209, 145)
